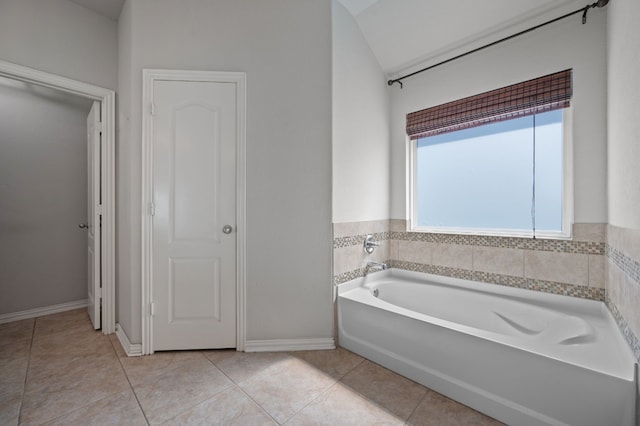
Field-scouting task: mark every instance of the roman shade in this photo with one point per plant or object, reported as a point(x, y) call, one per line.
point(534, 96)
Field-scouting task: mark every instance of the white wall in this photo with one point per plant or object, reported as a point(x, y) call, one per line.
point(624, 114)
point(43, 197)
point(285, 48)
point(562, 45)
point(59, 37)
point(360, 126)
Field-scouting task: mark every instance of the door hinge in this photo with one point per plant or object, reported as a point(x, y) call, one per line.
point(152, 209)
point(98, 294)
point(99, 126)
point(152, 108)
point(152, 309)
point(99, 208)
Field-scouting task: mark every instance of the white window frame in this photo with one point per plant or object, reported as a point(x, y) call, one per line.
point(567, 192)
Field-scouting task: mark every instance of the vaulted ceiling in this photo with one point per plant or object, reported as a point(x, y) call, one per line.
point(405, 33)
point(109, 8)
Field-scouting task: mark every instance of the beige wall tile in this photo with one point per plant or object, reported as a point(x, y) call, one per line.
point(625, 240)
point(498, 260)
point(589, 232)
point(452, 256)
point(566, 268)
point(397, 225)
point(613, 282)
point(347, 259)
point(614, 236)
point(596, 270)
point(345, 229)
point(373, 227)
point(415, 251)
point(394, 249)
point(625, 294)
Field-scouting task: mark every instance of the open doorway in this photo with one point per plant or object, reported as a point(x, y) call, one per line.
point(102, 172)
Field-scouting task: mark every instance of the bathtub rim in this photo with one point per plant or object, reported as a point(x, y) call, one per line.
point(541, 298)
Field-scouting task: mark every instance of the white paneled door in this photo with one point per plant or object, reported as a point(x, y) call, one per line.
point(194, 210)
point(94, 223)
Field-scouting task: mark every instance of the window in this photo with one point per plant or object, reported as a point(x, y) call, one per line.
point(507, 176)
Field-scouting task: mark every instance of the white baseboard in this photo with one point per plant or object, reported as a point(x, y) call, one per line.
point(282, 345)
point(39, 312)
point(131, 349)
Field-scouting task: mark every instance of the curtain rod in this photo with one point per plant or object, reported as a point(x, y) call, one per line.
point(584, 10)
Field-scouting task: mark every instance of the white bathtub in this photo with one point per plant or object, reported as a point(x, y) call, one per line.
point(522, 357)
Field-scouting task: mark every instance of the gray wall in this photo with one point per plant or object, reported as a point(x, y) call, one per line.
point(43, 197)
point(564, 44)
point(284, 46)
point(360, 126)
point(66, 39)
point(60, 37)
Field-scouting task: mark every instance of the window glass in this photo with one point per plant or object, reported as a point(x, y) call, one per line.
point(482, 178)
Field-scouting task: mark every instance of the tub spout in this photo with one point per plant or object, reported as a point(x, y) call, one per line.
point(380, 265)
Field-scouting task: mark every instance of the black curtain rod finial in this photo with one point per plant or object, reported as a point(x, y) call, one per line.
point(584, 10)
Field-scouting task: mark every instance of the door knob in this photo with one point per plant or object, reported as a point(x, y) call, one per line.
point(227, 229)
point(83, 226)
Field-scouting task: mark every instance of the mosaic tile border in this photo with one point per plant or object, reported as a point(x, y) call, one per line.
point(631, 338)
point(357, 240)
point(352, 275)
point(556, 246)
point(538, 244)
point(552, 287)
point(628, 265)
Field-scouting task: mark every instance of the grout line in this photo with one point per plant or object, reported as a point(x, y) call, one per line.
point(26, 372)
point(237, 386)
point(320, 395)
point(135, 395)
point(406, 422)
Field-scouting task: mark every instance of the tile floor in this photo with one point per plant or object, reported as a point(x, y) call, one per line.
point(56, 370)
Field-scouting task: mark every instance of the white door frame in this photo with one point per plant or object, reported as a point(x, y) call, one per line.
point(107, 99)
point(149, 77)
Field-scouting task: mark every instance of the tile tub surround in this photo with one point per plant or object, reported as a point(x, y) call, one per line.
point(573, 267)
point(349, 258)
point(623, 282)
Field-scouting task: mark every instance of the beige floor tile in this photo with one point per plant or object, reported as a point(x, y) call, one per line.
point(43, 372)
point(229, 407)
point(343, 406)
point(63, 322)
point(60, 393)
point(335, 363)
point(438, 410)
point(286, 387)
point(389, 390)
point(16, 333)
point(145, 369)
point(63, 345)
point(13, 373)
point(178, 387)
point(10, 408)
point(240, 366)
point(120, 409)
